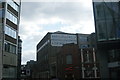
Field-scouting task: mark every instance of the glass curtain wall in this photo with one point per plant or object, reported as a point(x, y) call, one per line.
point(107, 20)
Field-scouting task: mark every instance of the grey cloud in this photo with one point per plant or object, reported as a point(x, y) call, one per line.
point(32, 11)
point(27, 56)
point(69, 10)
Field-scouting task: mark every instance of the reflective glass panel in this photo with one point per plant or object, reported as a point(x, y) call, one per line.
point(111, 29)
point(101, 31)
point(11, 32)
point(13, 5)
point(11, 17)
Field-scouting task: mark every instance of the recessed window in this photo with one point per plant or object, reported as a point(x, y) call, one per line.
point(69, 59)
point(10, 48)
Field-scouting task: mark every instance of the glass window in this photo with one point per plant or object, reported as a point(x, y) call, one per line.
point(13, 5)
point(69, 59)
point(115, 8)
point(101, 31)
point(14, 49)
point(11, 17)
point(10, 48)
point(118, 54)
point(83, 38)
point(11, 32)
point(9, 72)
point(111, 29)
point(108, 10)
point(86, 57)
point(111, 55)
point(6, 46)
point(100, 11)
point(1, 13)
point(118, 29)
point(83, 46)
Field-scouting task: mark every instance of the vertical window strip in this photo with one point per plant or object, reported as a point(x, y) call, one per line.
point(11, 17)
point(10, 32)
point(13, 5)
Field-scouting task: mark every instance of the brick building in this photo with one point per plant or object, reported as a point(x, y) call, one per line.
point(75, 63)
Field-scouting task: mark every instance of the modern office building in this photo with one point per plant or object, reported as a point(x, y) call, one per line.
point(9, 26)
point(49, 47)
point(107, 27)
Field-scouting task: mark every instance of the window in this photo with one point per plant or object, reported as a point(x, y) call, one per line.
point(13, 5)
point(69, 59)
point(1, 13)
point(111, 29)
point(10, 48)
point(9, 71)
point(83, 46)
point(114, 55)
point(108, 10)
point(11, 17)
point(83, 38)
point(117, 29)
point(118, 54)
point(89, 73)
point(115, 8)
point(100, 11)
point(11, 32)
point(101, 31)
point(86, 58)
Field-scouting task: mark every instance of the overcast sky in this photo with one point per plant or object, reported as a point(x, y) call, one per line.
point(38, 18)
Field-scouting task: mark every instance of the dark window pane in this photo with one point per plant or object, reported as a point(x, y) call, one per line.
point(69, 59)
point(100, 11)
point(111, 25)
point(101, 31)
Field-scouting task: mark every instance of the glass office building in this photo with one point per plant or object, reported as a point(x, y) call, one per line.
point(107, 18)
point(107, 27)
point(9, 26)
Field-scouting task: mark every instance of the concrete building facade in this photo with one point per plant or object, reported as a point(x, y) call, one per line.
point(107, 27)
point(9, 26)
